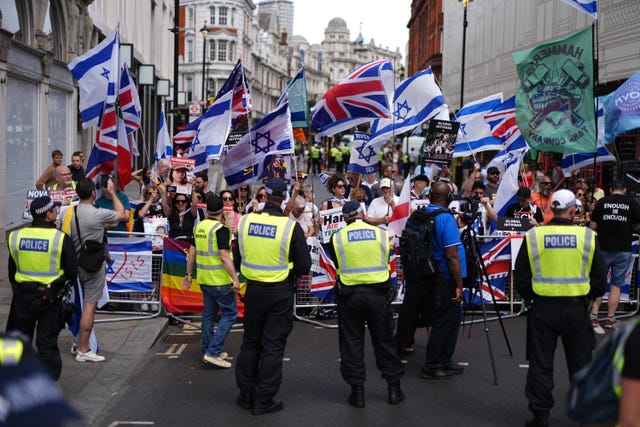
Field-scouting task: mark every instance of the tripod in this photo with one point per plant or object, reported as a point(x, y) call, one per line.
point(477, 276)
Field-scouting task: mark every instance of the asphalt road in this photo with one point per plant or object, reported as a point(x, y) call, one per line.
point(173, 388)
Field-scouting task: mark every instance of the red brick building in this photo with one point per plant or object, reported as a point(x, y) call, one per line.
point(425, 37)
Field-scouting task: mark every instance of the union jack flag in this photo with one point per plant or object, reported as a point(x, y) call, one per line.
point(497, 259)
point(241, 103)
point(502, 120)
point(105, 149)
point(129, 101)
point(360, 97)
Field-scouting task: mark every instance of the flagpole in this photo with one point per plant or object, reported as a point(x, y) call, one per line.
point(596, 73)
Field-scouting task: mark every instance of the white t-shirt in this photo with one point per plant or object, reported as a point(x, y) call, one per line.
point(379, 208)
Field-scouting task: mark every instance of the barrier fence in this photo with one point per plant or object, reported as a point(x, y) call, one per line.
point(143, 281)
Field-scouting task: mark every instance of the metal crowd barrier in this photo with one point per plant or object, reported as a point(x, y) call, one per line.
point(134, 304)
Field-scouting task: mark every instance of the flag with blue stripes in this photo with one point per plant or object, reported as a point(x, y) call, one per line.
point(496, 256)
point(475, 133)
point(129, 101)
point(590, 7)
point(364, 157)
point(130, 266)
point(579, 160)
point(164, 146)
point(97, 73)
point(212, 133)
point(622, 109)
point(416, 100)
point(502, 121)
point(246, 162)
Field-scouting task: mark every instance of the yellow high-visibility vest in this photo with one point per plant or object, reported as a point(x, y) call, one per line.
point(363, 254)
point(211, 271)
point(37, 253)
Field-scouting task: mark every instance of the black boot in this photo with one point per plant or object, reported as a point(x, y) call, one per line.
point(356, 398)
point(395, 393)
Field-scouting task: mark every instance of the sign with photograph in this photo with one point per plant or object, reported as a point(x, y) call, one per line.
point(440, 141)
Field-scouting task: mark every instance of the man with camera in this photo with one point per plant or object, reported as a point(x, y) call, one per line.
point(86, 224)
point(42, 261)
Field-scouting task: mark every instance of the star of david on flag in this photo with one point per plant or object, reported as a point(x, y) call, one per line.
point(364, 157)
point(475, 133)
point(246, 162)
point(416, 100)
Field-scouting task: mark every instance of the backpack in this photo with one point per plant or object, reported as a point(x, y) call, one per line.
point(416, 244)
point(591, 398)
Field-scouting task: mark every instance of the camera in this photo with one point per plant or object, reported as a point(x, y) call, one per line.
point(469, 209)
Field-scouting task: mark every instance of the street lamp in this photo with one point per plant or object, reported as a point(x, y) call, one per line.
point(204, 30)
point(464, 47)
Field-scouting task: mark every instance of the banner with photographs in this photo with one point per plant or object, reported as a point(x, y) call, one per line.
point(439, 143)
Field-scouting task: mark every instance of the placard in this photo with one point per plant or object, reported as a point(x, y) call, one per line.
point(332, 221)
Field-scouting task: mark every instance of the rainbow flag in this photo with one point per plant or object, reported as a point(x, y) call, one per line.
point(174, 268)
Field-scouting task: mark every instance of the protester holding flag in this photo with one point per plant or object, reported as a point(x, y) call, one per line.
point(362, 254)
point(272, 254)
point(560, 268)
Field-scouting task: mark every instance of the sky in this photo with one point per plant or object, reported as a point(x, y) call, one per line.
point(382, 20)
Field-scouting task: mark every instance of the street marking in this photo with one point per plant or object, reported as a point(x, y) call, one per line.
point(524, 365)
point(137, 423)
point(174, 351)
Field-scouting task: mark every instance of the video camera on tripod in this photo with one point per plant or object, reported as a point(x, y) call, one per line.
point(468, 212)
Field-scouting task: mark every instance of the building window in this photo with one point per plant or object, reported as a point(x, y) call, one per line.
point(189, 50)
point(189, 17)
point(222, 15)
point(212, 50)
point(233, 15)
point(22, 149)
point(188, 83)
point(222, 50)
point(212, 14)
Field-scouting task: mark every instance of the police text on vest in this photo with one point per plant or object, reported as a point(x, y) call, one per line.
point(262, 230)
point(34, 245)
point(560, 241)
point(358, 235)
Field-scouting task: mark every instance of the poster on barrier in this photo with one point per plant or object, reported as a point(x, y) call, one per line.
point(129, 266)
point(332, 221)
point(323, 270)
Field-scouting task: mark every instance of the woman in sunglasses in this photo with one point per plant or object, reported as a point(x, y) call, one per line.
point(230, 214)
point(337, 187)
point(242, 196)
point(583, 211)
point(258, 202)
point(182, 218)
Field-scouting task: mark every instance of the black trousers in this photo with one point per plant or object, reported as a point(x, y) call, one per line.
point(267, 324)
point(29, 313)
point(414, 304)
point(547, 321)
point(367, 305)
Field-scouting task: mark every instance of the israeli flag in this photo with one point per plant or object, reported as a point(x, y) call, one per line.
point(212, 133)
point(164, 145)
point(364, 156)
point(416, 100)
point(475, 132)
point(97, 73)
point(590, 7)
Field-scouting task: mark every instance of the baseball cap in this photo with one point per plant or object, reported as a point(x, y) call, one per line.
point(41, 205)
point(617, 183)
point(276, 187)
point(214, 205)
point(523, 193)
point(563, 199)
point(386, 182)
point(351, 209)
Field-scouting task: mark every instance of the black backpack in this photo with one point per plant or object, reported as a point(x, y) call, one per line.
point(591, 398)
point(416, 244)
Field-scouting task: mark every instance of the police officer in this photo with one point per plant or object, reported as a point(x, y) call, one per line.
point(362, 254)
point(272, 251)
point(217, 279)
point(560, 268)
point(42, 259)
point(314, 155)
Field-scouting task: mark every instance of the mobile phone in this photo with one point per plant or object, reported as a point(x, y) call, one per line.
point(104, 180)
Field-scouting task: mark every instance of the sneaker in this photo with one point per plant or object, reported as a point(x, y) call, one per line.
point(74, 348)
point(610, 323)
point(217, 361)
point(89, 356)
point(223, 355)
point(596, 327)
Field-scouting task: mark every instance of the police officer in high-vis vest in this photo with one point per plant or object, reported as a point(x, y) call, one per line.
point(42, 259)
point(272, 253)
point(218, 281)
point(559, 270)
point(361, 251)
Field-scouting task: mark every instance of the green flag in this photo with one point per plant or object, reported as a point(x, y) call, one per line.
point(554, 103)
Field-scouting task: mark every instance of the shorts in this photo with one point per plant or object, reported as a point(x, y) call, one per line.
point(618, 263)
point(92, 284)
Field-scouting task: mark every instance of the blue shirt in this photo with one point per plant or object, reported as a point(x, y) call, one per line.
point(446, 234)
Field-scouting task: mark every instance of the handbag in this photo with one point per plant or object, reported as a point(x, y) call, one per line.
point(92, 256)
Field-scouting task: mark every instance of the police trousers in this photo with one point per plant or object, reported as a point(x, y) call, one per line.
point(367, 304)
point(548, 320)
point(267, 324)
